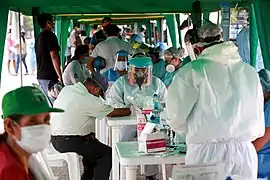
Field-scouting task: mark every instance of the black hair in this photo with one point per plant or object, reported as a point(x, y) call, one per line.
point(83, 33)
point(142, 29)
point(76, 25)
point(43, 19)
point(95, 26)
point(139, 54)
point(23, 36)
point(80, 50)
point(191, 36)
point(112, 30)
point(106, 19)
point(92, 82)
point(16, 118)
point(212, 39)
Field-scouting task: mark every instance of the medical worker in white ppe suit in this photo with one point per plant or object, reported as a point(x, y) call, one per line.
point(218, 101)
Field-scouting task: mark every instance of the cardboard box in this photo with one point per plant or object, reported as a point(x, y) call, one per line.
point(150, 142)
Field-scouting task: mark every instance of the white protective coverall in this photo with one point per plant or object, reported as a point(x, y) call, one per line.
point(218, 101)
point(119, 97)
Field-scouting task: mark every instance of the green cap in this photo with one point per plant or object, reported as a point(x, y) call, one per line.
point(141, 62)
point(26, 100)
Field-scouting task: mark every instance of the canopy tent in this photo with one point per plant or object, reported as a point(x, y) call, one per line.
point(33, 7)
point(108, 6)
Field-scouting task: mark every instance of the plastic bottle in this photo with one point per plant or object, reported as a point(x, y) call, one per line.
point(155, 118)
point(156, 101)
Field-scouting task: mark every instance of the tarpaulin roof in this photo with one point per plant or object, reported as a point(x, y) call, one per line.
point(113, 6)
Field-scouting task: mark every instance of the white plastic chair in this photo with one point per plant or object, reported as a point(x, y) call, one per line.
point(56, 159)
point(199, 172)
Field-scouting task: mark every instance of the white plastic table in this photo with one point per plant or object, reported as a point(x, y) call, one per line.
point(115, 124)
point(130, 158)
point(102, 130)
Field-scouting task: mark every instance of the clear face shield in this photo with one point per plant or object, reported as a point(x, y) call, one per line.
point(190, 51)
point(121, 61)
point(140, 76)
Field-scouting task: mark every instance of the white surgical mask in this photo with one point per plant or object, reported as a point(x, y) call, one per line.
point(121, 65)
point(35, 138)
point(170, 68)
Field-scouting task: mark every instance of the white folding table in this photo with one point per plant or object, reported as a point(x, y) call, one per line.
point(130, 158)
point(116, 123)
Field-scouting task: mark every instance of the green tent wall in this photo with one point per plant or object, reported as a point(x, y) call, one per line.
point(3, 25)
point(62, 25)
point(253, 36)
point(173, 28)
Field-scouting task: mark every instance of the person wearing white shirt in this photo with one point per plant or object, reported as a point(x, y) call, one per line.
point(108, 48)
point(142, 34)
point(74, 130)
point(83, 36)
point(74, 38)
point(68, 51)
point(76, 70)
point(21, 49)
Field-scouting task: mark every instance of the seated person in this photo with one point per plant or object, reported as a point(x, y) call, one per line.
point(159, 64)
point(99, 63)
point(262, 144)
point(74, 130)
point(27, 131)
point(120, 67)
point(76, 70)
point(173, 59)
point(135, 88)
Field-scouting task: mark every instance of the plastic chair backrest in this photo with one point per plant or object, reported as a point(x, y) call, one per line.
point(199, 172)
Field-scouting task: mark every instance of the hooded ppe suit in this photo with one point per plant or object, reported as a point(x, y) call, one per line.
point(218, 101)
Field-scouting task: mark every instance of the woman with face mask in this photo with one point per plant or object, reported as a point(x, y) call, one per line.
point(27, 132)
point(120, 68)
point(173, 58)
point(76, 70)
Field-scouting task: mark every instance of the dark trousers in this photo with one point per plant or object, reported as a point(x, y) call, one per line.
point(18, 62)
point(97, 157)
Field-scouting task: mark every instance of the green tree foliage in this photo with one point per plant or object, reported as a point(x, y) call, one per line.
point(28, 23)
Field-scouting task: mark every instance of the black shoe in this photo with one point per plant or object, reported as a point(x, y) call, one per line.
point(151, 178)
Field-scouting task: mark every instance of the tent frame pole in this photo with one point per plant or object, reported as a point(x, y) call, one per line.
point(20, 46)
